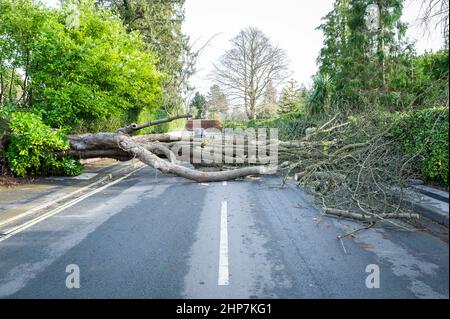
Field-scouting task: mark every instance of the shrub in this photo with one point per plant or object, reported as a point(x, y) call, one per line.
point(33, 147)
point(425, 133)
point(234, 124)
point(290, 125)
point(320, 96)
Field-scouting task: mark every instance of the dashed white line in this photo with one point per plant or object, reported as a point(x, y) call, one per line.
point(224, 183)
point(223, 250)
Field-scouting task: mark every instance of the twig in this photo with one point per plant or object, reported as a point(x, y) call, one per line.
point(351, 233)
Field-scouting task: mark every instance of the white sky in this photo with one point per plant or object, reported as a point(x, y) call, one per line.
point(288, 23)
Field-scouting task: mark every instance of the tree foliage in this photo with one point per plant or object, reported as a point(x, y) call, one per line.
point(359, 60)
point(198, 106)
point(320, 96)
point(34, 146)
point(216, 103)
point(84, 76)
point(20, 25)
point(367, 60)
point(292, 97)
point(270, 105)
point(160, 24)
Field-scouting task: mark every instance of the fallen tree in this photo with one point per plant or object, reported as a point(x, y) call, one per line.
point(352, 167)
point(353, 170)
point(153, 150)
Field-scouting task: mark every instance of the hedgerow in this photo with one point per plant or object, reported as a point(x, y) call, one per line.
point(424, 134)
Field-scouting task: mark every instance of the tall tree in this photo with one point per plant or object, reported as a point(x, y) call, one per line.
point(160, 24)
point(82, 76)
point(198, 105)
point(269, 106)
point(291, 97)
point(248, 67)
point(216, 102)
point(354, 56)
point(18, 33)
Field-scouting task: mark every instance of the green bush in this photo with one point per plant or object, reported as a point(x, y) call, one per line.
point(320, 96)
point(33, 147)
point(425, 133)
point(290, 125)
point(234, 124)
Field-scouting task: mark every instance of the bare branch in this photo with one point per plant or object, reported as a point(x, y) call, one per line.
point(135, 127)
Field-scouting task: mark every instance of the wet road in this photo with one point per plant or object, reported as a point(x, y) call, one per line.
point(159, 236)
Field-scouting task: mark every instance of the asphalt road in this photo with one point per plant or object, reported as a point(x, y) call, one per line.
point(159, 236)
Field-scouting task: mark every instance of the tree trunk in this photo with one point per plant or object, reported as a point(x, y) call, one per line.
point(149, 150)
point(381, 50)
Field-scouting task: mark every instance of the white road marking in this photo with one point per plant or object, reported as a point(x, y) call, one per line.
point(224, 183)
point(223, 250)
point(85, 176)
point(15, 230)
point(52, 202)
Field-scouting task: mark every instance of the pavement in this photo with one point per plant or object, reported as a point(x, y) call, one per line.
point(42, 191)
point(152, 235)
point(429, 202)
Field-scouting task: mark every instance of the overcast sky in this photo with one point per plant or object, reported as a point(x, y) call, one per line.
point(289, 23)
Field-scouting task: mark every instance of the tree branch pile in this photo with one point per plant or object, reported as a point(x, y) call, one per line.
point(353, 168)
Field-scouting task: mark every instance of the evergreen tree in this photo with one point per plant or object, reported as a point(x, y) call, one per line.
point(216, 103)
point(290, 99)
point(198, 105)
point(269, 105)
point(359, 59)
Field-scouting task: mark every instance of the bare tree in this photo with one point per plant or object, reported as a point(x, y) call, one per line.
point(248, 67)
point(435, 13)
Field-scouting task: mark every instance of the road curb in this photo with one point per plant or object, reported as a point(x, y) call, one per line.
point(432, 192)
point(432, 208)
point(124, 168)
point(105, 176)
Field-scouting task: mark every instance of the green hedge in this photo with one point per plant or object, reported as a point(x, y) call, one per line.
point(290, 125)
point(425, 133)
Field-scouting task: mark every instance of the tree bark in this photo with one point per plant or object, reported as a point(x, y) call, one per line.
point(150, 150)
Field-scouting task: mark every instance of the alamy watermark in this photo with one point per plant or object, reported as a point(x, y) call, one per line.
point(373, 279)
point(73, 279)
point(372, 17)
point(73, 16)
point(234, 146)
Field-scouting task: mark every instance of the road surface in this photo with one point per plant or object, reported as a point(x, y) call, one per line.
point(159, 236)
